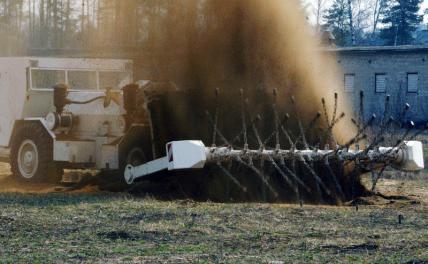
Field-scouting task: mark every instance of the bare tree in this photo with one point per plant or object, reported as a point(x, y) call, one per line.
point(30, 21)
point(319, 10)
point(379, 6)
point(351, 21)
point(361, 14)
point(82, 17)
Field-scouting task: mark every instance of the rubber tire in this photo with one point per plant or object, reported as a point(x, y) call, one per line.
point(47, 171)
point(114, 180)
point(134, 141)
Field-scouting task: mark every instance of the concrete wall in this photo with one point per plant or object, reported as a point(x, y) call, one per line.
point(396, 64)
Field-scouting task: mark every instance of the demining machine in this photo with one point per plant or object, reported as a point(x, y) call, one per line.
point(60, 113)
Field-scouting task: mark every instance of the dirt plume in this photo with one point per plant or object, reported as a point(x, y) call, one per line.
point(256, 46)
point(253, 45)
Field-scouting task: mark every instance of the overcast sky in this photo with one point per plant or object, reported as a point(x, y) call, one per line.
point(328, 2)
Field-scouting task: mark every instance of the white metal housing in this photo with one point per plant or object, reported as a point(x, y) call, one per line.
point(413, 159)
point(26, 88)
point(190, 154)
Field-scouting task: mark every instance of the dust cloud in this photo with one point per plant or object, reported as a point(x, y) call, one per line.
point(252, 45)
point(256, 46)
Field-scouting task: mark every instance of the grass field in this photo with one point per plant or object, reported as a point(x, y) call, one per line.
point(89, 227)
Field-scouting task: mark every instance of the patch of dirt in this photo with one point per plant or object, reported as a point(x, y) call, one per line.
point(150, 236)
point(397, 192)
point(151, 217)
point(6, 220)
point(382, 200)
point(353, 248)
point(117, 235)
point(9, 185)
point(391, 192)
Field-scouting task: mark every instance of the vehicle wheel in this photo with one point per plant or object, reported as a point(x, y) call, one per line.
point(115, 180)
point(134, 149)
point(32, 155)
point(135, 157)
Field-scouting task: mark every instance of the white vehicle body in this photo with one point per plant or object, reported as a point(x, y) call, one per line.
point(27, 96)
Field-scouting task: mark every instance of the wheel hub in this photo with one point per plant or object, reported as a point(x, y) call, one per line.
point(136, 157)
point(28, 159)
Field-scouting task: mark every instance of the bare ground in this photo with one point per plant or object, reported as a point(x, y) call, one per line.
point(39, 225)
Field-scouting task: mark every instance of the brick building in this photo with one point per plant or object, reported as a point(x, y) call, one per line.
point(401, 72)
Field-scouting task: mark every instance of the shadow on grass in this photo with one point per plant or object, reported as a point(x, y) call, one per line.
point(55, 199)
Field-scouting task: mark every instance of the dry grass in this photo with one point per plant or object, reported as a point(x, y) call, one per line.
point(111, 228)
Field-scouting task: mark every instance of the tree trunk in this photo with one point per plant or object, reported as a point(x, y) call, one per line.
point(118, 22)
point(33, 29)
point(320, 5)
point(42, 22)
point(67, 30)
point(351, 22)
point(30, 22)
point(82, 18)
point(55, 23)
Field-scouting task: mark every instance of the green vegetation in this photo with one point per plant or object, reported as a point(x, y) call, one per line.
point(104, 227)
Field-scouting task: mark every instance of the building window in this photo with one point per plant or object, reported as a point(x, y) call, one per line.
point(380, 83)
point(349, 83)
point(412, 82)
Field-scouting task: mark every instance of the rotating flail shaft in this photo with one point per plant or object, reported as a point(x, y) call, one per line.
point(192, 154)
point(285, 155)
point(408, 157)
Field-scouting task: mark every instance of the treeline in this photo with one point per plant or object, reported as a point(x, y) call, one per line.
point(147, 25)
point(371, 22)
point(92, 24)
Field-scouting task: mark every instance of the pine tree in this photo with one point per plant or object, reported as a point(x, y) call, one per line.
point(337, 18)
point(401, 19)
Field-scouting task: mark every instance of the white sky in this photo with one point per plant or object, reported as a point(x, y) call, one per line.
point(328, 3)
